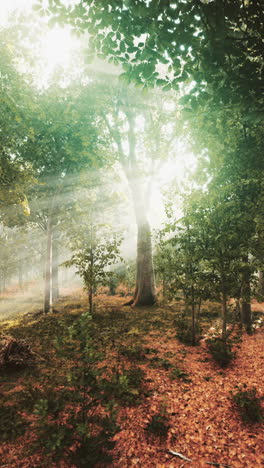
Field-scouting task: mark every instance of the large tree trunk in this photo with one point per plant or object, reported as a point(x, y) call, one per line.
point(145, 283)
point(55, 270)
point(246, 295)
point(145, 294)
point(48, 270)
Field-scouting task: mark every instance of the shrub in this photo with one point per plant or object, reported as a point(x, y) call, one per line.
point(159, 363)
point(158, 425)
point(177, 373)
point(67, 424)
point(248, 405)
point(133, 353)
point(12, 424)
point(220, 350)
point(126, 387)
point(184, 331)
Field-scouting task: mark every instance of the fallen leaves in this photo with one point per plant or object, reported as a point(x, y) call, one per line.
point(204, 426)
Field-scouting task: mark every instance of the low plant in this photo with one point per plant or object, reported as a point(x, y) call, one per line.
point(133, 352)
point(221, 350)
point(185, 333)
point(158, 425)
point(125, 386)
point(67, 422)
point(248, 404)
point(12, 423)
point(178, 373)
point(159, 363)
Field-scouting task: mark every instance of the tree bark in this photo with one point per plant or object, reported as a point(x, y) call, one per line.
point(48, 268)
point(55, 270)
point(90, 298)
point(20, 274)
point(246, 295)
point(145, 284)
point(224, 316)
point(193, 319)
point(261, 282)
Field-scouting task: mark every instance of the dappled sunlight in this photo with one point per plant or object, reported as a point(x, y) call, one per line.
point(131, 233)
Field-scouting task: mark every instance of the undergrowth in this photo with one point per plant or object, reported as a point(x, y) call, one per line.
point(248, 404)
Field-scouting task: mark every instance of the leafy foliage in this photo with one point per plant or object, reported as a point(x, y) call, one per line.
point(125, 386)
point(221, 350)
point(92, 256)
point(66, 425)
point(158, 425)
point(13, 424)
point(248, 404)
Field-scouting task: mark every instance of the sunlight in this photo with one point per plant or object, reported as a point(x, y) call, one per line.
point(174, 171)
point(179, 168)
point(57, 48)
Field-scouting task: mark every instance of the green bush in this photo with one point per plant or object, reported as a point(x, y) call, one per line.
point(158, 425)
point(12, 424)
point(177, 373)
point(125, 386)
point(159, 363)
point(184, 331)
point(221, 350)
point(133, 353)
point(67, 423)
point(248, 405)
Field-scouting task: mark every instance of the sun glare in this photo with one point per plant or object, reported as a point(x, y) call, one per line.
point(57, 48)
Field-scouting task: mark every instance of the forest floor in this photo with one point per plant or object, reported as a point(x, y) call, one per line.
point(187, 392)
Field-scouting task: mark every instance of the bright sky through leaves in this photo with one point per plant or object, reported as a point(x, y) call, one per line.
point(58, 47)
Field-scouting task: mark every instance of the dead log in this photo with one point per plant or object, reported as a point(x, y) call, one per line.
point(15, 353)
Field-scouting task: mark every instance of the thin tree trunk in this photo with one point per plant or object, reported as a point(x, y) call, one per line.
point(90, 297)
point(48, 268)
point(224, 316)
point(55, 270)
point(246, 295)
point(224, 305)
point(261, 282)
point(20, 274)
point(199, 309)
point(193, 319)
point(164, 287)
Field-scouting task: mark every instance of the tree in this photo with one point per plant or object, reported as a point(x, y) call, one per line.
point(216, 43)
point(94, 253)
point(138, 127)
point(181, 262)
point(16, 107)
point(64, 140)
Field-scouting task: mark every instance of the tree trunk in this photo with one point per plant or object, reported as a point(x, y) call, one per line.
point(193, 319)
point(145, 283)
point(55, 270)
point(199, 310)
point(90, 297)
point(224, 316)
point(20, 274)
point(145, 294)
point(246, 294)
point(261, 282)
point(48, 268)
